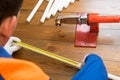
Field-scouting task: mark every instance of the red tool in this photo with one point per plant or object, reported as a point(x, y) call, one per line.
point(86, 36)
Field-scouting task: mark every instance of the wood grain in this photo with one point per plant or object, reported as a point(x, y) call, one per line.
point(60, 40)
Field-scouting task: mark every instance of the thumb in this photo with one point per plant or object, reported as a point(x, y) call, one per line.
point(15, 39)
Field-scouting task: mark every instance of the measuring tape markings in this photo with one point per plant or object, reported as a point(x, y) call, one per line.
point(57, 57)
point(49, 54)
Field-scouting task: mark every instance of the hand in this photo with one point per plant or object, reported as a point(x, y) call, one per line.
point(10, 47)
point(83, 60)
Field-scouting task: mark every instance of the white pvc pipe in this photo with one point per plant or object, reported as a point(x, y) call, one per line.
point(113, 77)
point(57, 8)
point(53, 8)
point(62, 5)
point(34, 10)
point(72, 1)
point(46, 11)
point(67, 3)
point(58, 5)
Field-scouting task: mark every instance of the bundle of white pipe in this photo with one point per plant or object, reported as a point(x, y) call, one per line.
point(29, 18)
point(51, 9)
point(57, 5)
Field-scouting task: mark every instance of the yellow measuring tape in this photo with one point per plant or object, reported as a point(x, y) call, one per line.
point(49, 54)
point(57, 57)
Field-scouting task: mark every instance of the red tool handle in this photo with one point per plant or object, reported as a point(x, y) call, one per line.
point(95, 18)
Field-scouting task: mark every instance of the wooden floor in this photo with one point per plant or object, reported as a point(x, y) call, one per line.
point(48, 37)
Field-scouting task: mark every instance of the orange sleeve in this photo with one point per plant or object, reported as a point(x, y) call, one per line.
point(14, 69)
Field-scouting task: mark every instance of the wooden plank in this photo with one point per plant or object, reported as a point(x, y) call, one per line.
point(105, 51)
point(58, 69)
point(108, 6)
point(91, 6)
point(60, 40)
point(31, 4)
point(51, 22)
point(63, 34)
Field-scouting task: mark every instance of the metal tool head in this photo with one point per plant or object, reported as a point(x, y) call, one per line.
point(68, 19)
point(72, 19)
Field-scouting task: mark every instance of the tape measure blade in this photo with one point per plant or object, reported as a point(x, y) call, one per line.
point(49, 54)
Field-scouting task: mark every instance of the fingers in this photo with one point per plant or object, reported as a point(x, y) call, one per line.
point(15, 39)
point(10, 47)
point(15, 47)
